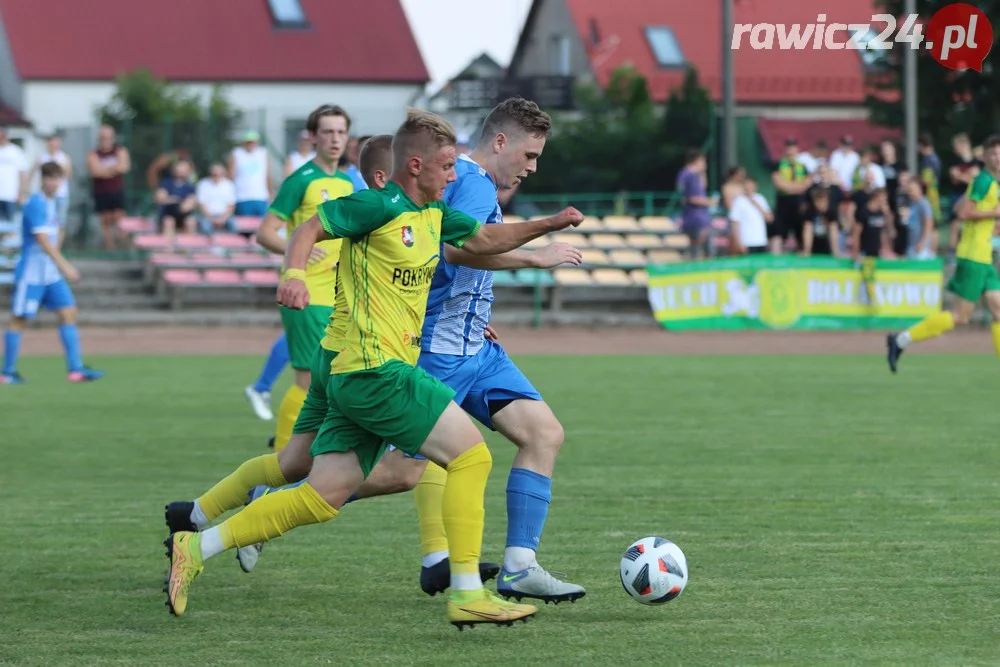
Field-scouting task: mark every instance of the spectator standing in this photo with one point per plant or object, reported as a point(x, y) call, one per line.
point(108, 163)
point(812, 159)
point(14, 176)
point(891, 167)
point(920, 222)
point(749, 216)
point(216, 198)
point(692, 186)
point(930, 172)
point(54, 153)
point(844, 161)
point(791, 181)
point(732, 185)
point(176, 199)
point(250, 171)
point(873, 226)
point(302, 154)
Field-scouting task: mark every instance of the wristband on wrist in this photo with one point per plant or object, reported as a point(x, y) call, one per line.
point(293, 274)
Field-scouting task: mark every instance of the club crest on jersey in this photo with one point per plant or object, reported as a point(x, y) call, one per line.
point(408, 236)
point(325, 195)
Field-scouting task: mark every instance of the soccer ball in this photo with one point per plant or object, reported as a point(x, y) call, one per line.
point(654, 570)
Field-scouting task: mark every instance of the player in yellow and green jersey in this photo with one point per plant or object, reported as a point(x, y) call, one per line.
point(375, 391)
point(310, 185)
point(975, 275)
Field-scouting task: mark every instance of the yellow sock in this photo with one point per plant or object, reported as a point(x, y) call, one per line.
point(274, 515)
point(232, 492)
point(288, 412)
point(462, 509)
point(429, 495)
point(932, 326)
point(995, 330)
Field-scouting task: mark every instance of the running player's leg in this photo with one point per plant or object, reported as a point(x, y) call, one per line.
point(503, 399)
point(59, 297)
point(259, 393)
point(971, 279)
point(304, 330)
point(992, 296)
point(24, 306)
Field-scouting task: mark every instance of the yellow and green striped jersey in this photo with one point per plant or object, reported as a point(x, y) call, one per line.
point(976, 242)
point(298, 198)
point(391, 249)
point(792, 170)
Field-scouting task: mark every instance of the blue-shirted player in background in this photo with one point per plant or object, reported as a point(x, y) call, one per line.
point(40, 280)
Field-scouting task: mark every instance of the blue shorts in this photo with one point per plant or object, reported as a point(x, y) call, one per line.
point(29, 298)
point(251, 208)
point(487, 376)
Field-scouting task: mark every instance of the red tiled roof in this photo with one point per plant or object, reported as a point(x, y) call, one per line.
point(211, 40)
point(774, 132)
point(803, 77)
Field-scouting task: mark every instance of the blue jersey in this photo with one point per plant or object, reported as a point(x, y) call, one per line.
point(39, 216)
point(461, 298)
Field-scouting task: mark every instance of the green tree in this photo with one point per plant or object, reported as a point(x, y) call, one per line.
point(152, 117)
point(618, 140)
point(947, 101)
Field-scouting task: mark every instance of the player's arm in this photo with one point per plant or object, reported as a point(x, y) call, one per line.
point(346, 217)
point(462, 231)
point(968, 209)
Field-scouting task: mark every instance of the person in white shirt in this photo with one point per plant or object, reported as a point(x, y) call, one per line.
point(216, 197)
point(749, 216)
point(304, 153)
point(14, 177)
point(844, 162)
point(249, 169)
point(812, 159)
point(54, 153)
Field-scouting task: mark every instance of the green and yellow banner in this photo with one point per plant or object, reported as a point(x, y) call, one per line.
point(789, 292)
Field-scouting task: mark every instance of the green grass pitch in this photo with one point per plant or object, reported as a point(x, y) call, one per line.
point(830, 512)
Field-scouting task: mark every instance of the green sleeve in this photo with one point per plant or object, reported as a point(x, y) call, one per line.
point(289, 198)
point(980, 187)
point(457, 227)
point(353, 216)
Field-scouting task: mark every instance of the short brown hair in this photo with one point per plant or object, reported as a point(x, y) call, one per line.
point(516, 114)
point(422, 133)
point(312, 124)
point(52, 170)
point(376, 155)
point(991, 141)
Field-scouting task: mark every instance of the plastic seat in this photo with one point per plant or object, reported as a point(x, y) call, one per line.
point(222, 277)
point(191, 241)
point(621, 223)
point(591, 224)
point(572, 277)
point(135, 225)
point(246, 224)
point(248, 258)
point(261, 277)
point(658, 223)
point(677, 241)
point(607, 241)
point(163, 258)
point(181, 277)
point(595, 257)
point(663, 256)
point(151, 242)
point(627, 258)
point(229, 241)
point(610, 277)
point(639, 277)
point(644, 241)
point(574, 239)
point(533, 277)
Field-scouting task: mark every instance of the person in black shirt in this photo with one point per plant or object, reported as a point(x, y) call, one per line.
point(873, 225)
point(960, 174)
point(820, 231)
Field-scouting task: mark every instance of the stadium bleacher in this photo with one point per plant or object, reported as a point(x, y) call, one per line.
point(616, 251)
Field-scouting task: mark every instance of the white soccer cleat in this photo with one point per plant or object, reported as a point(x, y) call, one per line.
point(247, 556)
point(537, 584)
point(260, 401)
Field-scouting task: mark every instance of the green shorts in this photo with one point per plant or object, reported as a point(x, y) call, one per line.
point(972, 279)
point(304, 329)
point(395, 402)
point(316, 405)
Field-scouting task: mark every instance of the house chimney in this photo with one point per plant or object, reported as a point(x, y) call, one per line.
point(595, 34)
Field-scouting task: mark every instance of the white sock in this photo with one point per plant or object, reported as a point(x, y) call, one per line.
point(198, 517)
point(516, 559)
point(466, 582)
point(211, 543)
point(432, 559)
point(903, 339)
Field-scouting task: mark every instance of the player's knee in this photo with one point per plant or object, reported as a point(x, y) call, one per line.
point(959, 316)
point(68, 315)
point(409, 474)
point(294, 460)
point(547, 436)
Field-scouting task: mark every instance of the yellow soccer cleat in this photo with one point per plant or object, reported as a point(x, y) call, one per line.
point(184, 552)
point(469, 608)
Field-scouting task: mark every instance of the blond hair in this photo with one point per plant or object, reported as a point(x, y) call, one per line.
point(422, 134)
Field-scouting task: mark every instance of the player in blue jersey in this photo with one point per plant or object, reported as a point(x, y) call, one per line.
point(40, 280)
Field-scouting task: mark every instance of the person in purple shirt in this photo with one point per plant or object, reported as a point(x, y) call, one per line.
point(692, 188)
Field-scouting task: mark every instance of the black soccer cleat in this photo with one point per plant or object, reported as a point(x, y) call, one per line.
point(894, 351)
point(437, 578)
point(178, 516)
point(270, 443)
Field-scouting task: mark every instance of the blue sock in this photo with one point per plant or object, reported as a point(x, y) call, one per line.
point(273, 367)
point(528, 496)
point(70, 336)
point(11, 348)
